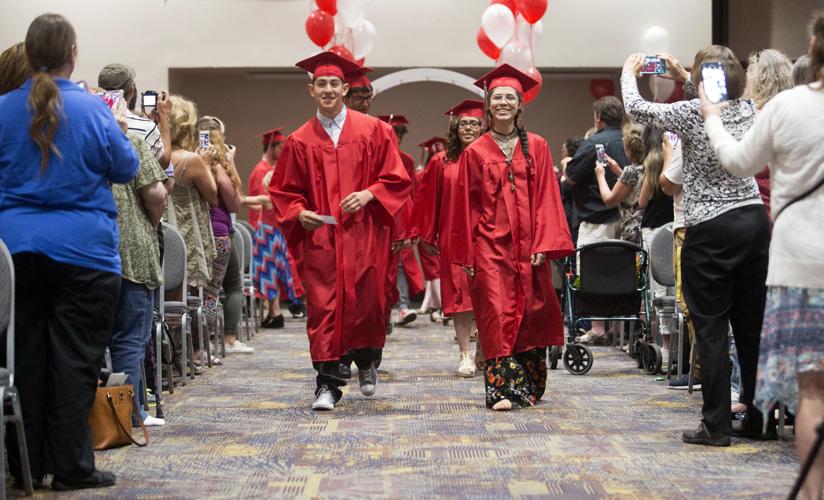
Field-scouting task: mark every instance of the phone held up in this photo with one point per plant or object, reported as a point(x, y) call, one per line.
point(715, 81)
point(203, 142)
point(148, 100)
point(600, 154)
point(653, 65)
point(111, 97)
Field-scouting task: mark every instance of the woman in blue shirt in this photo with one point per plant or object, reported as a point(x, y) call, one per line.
point(60, 150)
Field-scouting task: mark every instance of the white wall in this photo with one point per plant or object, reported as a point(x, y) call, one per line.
point(155, 35)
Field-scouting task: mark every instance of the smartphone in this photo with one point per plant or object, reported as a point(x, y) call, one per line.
point(111, 97)
point(715, 81)
point(600, 154)
point(204, 139)
point(148, 99)
point(653, 65)
point(672, 138)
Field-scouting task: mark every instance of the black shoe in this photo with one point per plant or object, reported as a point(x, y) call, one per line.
point(298, 310)
point(368, 380)
point(702, 435)
point(277, 322)
point(751, 427)
point(345, 370)
point(267, 322)
point(97, 479)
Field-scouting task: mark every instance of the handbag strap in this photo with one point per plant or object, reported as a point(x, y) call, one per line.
point(120, 424)
point(800, 197)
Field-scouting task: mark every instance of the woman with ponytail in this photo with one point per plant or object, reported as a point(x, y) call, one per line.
point(787, 136)
point(60, 149)
point(507, 222)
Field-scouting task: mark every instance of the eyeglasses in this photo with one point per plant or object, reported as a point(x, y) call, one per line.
point(362, 98)
point(469, 124)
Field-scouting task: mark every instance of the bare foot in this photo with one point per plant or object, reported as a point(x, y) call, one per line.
point(502, 405)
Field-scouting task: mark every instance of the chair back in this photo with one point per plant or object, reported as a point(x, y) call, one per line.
point(247, 225)
point(7, 305)
point(611, 267)
point(174, 258)
point(248, 248)
point(660, 256)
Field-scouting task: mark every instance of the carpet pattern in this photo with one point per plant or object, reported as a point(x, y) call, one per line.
point(246, 430)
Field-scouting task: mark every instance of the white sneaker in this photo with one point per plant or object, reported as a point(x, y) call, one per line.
point(239, 348)
point(467, 367)
point(324, 400)
point(406, 316)
point(151, 421)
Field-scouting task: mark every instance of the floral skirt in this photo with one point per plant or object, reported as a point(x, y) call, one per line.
point(270, 263)
point(520, 378)
point(792, 342)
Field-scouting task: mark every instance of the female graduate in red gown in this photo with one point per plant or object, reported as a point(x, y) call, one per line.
point(433, 214)
point(508, 220)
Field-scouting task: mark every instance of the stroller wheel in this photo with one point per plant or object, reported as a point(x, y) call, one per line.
point(640, 352)
point(577, 359)
point(554, 356)
point(653, 359)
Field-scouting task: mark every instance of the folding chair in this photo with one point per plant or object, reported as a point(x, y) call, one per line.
point(260, 310)
point(8, 392)
point(663, 271)
point(250, 301)
point(174, 278)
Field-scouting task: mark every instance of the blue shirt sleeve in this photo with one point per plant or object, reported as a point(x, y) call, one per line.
point(125, 163)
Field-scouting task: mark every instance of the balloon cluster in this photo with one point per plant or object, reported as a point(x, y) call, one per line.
point(339, 26)
point(509, 31)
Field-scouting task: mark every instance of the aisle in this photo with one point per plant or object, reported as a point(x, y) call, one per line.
point(245, 430)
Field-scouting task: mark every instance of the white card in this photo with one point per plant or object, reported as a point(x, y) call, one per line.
point(328, 219)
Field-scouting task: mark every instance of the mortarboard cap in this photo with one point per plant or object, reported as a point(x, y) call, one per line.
point(394, 119)
point(270, 136)
point(328, 64)
point(430, 143)
point(469, 107)
point(506, 76)
point(358, 78)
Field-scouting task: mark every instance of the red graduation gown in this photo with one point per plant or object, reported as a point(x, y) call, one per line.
point(345, 265)
point(430, 264)
point(496, 230)
point(433, 214)
point(406, 230)
point(256, 188)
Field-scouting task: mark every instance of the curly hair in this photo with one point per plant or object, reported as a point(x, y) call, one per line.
point(183, 123)
point(454, 148)
point(634, 142)
point(215, 128)
point(768, 73)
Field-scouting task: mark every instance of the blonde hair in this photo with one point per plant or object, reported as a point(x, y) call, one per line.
point(14, 68)
point(769, 72)
point(634, 142)
point(183, 123)
point(218, 140)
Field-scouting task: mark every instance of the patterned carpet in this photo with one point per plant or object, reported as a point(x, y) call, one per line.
point(245, 430)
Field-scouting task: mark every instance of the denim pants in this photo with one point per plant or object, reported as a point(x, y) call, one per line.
point(403, 288)
point(130, 335)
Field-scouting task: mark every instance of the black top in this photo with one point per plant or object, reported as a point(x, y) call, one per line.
point(581, 170)
point(658, 211)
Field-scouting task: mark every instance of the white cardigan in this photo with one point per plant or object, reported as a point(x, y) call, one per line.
point(787, 135)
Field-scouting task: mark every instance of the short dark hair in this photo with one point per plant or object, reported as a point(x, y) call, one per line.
point(572, 144)
point(733, 71)
point(609, 109)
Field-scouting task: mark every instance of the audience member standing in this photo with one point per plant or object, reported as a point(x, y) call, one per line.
point(14, 68)
point(508, 220)
point(724, 258)
point(787, 135)
point(60, 149)
point(337, 187)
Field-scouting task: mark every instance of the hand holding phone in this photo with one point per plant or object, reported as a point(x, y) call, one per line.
point(148, 101)
point(203, 139)
point(600, 154)
point(653, 65)
point(715, 82)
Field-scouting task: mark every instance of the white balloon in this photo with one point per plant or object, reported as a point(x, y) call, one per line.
point(661, 88)
point(498, 24)
point(655, 40)
point(363, 38)
point(522, 30)
point(537, 32)
point(517, 55)
point(352, 11)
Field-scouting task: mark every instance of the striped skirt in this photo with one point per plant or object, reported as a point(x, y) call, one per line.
point(270, 263)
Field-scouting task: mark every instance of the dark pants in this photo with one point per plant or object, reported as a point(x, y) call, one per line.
point(724, 269)
point(233, 291)
point(64, 317)
point(329, 371)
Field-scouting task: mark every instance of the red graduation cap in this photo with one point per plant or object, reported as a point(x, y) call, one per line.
point(429, 144)
point(506, 76)
point(469, 107)
point(328, 64)
point(271, 136)
point(394, 119)
point(358, 78)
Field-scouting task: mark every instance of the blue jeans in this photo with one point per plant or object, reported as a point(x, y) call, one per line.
point(403, 288)
point(130, 335)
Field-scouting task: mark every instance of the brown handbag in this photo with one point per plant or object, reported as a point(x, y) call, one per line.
point(111, 418)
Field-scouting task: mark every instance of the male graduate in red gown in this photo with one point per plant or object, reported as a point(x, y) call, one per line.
point(408, 274)
point(337, 187)
point(508, 221)
point(272, 141)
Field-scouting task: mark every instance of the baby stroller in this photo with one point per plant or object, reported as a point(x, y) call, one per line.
point(611, 285)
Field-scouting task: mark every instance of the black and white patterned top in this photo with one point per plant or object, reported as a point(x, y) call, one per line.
point(709, 190)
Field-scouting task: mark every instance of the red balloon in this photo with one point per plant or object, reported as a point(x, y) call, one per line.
point(677, 93)
point(328, 6)
point(320, 27)
point(532, 10)
point(511, 4)
point(342, 51)
point(486, 45)
point(601, 88)
point(532, 93)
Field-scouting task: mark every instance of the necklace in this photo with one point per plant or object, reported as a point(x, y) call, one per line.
point(507, 144)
